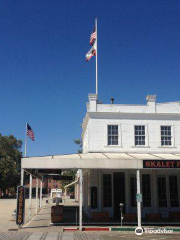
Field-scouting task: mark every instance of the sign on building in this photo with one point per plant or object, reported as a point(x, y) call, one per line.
point(161, 164)
point(20, 205)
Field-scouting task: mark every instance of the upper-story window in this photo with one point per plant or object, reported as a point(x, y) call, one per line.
point(113, 135)
point(140, 135)
point(166, 136)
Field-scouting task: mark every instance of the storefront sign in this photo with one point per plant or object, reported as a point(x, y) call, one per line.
point(20, 205)
point(161, 164)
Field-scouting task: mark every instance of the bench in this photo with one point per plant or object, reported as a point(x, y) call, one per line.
point(130, 217)
point(174, 216)
point(100, 217)
point(153, 217)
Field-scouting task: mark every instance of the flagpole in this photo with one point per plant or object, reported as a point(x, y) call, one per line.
point(25, 150)
point(96, 58)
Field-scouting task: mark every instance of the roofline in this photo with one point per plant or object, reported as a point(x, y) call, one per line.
point(134, 113)
point(104, 153)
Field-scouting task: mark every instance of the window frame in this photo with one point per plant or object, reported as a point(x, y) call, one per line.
point(119, 133)
point(146, 137)
point(172, 136)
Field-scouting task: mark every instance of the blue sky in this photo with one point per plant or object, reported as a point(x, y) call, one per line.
point(45, 80)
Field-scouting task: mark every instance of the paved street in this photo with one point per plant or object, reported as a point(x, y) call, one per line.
point(82, 236)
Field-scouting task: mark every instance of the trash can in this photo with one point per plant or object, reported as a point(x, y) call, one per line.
point(57, 214)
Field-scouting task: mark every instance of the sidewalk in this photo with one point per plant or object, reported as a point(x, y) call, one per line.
point(40, 220)
point(7, 207)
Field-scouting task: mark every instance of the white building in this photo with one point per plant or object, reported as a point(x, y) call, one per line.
point(146, 132)
point(128, 150)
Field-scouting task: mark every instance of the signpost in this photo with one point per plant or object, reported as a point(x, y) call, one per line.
point(139, 197)
point(20, 205)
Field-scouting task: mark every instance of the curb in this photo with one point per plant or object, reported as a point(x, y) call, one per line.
point(96, 229)
point(108, 229)
point(123, 229)
point(70, 229)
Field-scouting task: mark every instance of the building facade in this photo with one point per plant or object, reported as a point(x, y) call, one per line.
point(152, 129)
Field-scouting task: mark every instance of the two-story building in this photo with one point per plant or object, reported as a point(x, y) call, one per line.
point(150, 133)
point(131, 155)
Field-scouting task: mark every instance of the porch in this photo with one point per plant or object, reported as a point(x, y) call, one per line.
point(115, 162)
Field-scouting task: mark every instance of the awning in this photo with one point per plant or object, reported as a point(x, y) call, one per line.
point(95, 161)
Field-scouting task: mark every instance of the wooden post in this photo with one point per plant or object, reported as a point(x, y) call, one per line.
point(80, 198)
point(30, 196)
point(41, 183)
point(22, 176)
point(138, 203)
point(36, 195)
point(99, 186)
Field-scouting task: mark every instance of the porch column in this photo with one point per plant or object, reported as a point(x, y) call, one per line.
point(138, 203)
point(100, 196)
point(30, 196)
point(41, 183)
point(22, 176)
point(80, 198)
point(36, 195)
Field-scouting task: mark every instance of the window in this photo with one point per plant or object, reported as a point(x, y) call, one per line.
point(140, 135)
point(173, 189)
point(162, 191)
point(112, 134)
point(107, 190)
point(146, 190)
point(133, 189)
point(166, 136)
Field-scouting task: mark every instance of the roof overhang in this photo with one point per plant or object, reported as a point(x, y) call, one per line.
point(94, 161)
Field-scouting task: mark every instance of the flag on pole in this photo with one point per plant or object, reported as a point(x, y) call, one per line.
point(30, 132)
point(91, 53)
point(93, 36)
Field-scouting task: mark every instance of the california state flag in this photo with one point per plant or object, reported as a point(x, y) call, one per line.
point(91, 53)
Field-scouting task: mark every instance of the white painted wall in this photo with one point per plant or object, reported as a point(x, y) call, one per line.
point(98, 130)
point(153, 115)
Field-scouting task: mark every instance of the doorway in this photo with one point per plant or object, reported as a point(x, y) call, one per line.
point(119, 192)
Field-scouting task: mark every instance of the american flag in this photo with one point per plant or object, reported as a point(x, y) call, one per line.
point(93, 36)
point(30, 132)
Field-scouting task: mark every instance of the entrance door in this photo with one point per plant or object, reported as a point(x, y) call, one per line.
point(119, 192)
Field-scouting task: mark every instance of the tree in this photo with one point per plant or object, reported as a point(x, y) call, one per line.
point(71, 172)
point(10, 162)
point(78, 142)
point(66, 182)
